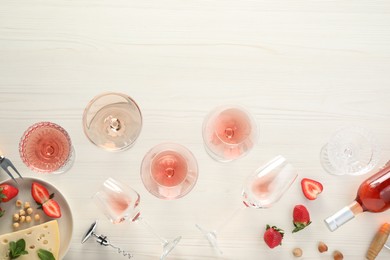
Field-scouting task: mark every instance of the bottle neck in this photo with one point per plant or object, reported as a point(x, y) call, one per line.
point(343, 216)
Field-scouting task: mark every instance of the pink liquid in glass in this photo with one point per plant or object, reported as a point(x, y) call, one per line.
point(45, 147)
point(169, 168)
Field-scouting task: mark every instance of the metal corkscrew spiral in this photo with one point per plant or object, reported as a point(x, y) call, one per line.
point(102, 240)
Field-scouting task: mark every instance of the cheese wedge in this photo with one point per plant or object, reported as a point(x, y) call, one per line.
point(44, 236)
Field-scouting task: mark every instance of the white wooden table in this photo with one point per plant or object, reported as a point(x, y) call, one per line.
point(303, 68)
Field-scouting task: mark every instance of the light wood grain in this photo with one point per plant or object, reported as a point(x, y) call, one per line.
point(303, 68)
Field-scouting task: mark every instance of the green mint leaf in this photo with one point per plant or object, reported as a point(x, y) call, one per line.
point(45, 255)
point(17, 248)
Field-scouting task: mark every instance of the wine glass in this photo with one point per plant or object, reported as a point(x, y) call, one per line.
point(120, 203)
point(229, 133)
point(262, 189)
point(352, 150)
point(112, 121)
point(46, 147)
point(169, 171)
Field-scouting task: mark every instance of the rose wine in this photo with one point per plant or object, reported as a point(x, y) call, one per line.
point(229, 133)
point(169, 168)
point(373, 196)
point(169, 171)
point(45, 147)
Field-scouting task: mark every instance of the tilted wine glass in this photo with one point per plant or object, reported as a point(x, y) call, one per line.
point(120, 203)
point(169, 171)
point(229, 132)
point(112, 121)
point(262, 189)
point(351, 150)
point(46, 147)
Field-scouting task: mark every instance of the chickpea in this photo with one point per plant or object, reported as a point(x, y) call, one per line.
point(15, 217)
point(29, 211)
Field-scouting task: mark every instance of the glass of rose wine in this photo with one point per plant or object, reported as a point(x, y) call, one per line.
point(262, 189)
point(46, 147)
point(120, 203)
point(351, 150)
point(169, 171)
point(229, 132)
point(112, 121)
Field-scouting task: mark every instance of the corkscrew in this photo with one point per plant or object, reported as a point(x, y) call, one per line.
point(102, 240)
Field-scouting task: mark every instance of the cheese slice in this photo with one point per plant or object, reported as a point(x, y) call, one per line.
point(44, 236)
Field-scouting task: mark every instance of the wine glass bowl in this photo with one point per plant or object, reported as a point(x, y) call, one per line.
point(229, 132)
point(112, 121)
point(46, 147)
point(169, 171)
point(351, 150)
point(120, 203)
point(268, 183)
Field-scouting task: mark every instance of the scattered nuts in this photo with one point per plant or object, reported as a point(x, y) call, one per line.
point(19, 203)
point(15, 217)
point(297, 252)
point(29, 211)
point(22, 212)
point(26, 205)
point(337, 255)
point(322, 247)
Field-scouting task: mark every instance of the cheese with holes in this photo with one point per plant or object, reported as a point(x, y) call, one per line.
point(44, 236)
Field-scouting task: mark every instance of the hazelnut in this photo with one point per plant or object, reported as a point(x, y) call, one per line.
point(15, 217)
point(22, 219)
point(15, 225)
point(29, 211)
point(22, 212)
point(297, 252)
point(337, 255)
point(28, 219)
point(322, 247)
point(37, 217)
point(26, 205)
point(18, 203)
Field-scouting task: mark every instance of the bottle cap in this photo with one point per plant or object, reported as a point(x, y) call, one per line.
point(339, 218)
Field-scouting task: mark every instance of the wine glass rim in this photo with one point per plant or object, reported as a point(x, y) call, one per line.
point(86, 124)
point(32, 128)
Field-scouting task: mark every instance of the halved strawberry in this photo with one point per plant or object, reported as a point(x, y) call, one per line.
point(273, 236)
point(301, 218)
point(39, 193)
point(52, 209)
point(8, 192)
point(311, 188)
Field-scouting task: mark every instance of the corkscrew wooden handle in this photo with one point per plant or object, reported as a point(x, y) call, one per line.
point(378, 242)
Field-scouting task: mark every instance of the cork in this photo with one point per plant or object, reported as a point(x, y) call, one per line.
point(378, 242)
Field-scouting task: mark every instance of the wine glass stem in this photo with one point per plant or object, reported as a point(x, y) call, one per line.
point(227, 219)
point(151, 230)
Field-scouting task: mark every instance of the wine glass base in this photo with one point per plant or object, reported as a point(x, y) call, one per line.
point(325, 162)
point(211, 236)
point(169, 246)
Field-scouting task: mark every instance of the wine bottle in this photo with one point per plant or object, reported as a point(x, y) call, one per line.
point(373, 196)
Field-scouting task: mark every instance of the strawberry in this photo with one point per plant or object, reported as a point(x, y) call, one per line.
point(45, 200)
point(273, 236)
point(1, 212)
point(8, 192)
point(301, 218)
point(39, 193)
point(52, 209)
point(311, 188)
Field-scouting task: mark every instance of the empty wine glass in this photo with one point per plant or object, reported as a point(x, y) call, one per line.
point(229, 132)
point(262, 189)
point(120, 203)
point(351, 150)
point(46, 147)
point(112, 121)
point(169, 171)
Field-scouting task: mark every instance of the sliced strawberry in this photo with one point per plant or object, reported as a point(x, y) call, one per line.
point(39, 193)
point(52, 209)
point(8, 192)
point(301, 218)
point(273, 236)
point(311, 188)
